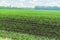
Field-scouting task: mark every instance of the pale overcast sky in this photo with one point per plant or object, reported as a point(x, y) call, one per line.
point(29, 3)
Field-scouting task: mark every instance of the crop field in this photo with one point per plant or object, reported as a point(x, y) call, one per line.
point(30, 24)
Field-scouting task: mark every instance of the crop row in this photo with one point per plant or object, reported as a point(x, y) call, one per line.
point(32, 25)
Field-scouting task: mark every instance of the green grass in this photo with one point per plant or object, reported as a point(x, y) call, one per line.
point(1, 38)
point(43, 24)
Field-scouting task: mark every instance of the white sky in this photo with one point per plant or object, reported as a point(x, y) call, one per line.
point(29, 3)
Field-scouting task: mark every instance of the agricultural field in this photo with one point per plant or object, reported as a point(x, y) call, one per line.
point(30, 24)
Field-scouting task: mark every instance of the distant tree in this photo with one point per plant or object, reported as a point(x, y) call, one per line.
point(47, 8)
